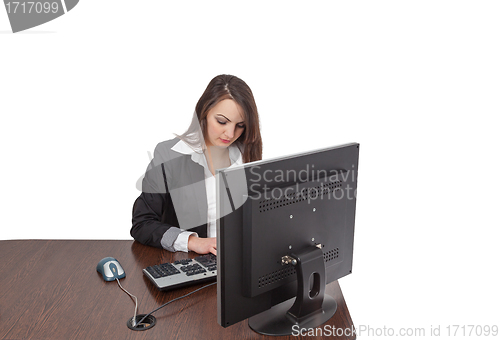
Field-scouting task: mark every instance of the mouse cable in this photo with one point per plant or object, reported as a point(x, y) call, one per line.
point(180, 297)
point(133, 297)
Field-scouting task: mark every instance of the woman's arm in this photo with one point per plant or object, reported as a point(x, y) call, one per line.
point(154, 221)
point(147, 213)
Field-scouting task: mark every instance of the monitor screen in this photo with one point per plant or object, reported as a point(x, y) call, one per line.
point(285, 229)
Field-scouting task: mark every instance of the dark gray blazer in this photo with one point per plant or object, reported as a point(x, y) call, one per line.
point(171, 180)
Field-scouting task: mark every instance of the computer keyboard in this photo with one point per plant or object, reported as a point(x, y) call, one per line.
point(181, 273)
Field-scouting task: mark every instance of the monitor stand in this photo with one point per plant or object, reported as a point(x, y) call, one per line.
point(312, 307)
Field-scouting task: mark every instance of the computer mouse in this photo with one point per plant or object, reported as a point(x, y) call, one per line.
point(110, 269)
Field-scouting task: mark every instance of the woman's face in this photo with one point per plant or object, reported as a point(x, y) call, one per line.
point(225, 123)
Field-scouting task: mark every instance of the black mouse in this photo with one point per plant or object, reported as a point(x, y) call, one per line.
point(110, 269)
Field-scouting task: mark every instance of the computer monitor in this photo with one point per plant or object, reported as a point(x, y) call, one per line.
point(285, 229)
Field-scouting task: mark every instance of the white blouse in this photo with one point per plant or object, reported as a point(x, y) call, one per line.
point(235, 157)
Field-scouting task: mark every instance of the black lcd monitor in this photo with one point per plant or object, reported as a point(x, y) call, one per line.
point(285, 230)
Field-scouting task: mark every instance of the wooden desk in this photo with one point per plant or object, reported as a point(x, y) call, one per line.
point(51, 290)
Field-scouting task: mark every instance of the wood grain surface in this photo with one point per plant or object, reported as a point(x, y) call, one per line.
point(50, 289)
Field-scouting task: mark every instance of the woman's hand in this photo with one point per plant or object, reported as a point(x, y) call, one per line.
point(202, 245)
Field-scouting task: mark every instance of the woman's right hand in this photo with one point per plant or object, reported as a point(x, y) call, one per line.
point(202, 245)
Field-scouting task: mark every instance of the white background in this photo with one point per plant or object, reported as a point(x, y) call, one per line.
point(85, 97)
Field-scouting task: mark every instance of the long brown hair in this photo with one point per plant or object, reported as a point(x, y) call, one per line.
point(230, 87)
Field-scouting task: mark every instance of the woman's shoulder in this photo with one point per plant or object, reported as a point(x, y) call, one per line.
point(163, 150)
point(168, 144)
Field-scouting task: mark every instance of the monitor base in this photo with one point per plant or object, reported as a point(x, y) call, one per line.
point(310, 308)
point(276, 320)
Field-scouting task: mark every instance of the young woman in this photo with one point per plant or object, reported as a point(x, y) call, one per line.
point(176, 209)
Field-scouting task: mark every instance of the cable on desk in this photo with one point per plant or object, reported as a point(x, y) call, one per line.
point(180, 297)
point(133, 297)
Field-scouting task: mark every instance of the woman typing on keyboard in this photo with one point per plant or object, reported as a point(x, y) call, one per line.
point(177, 207)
